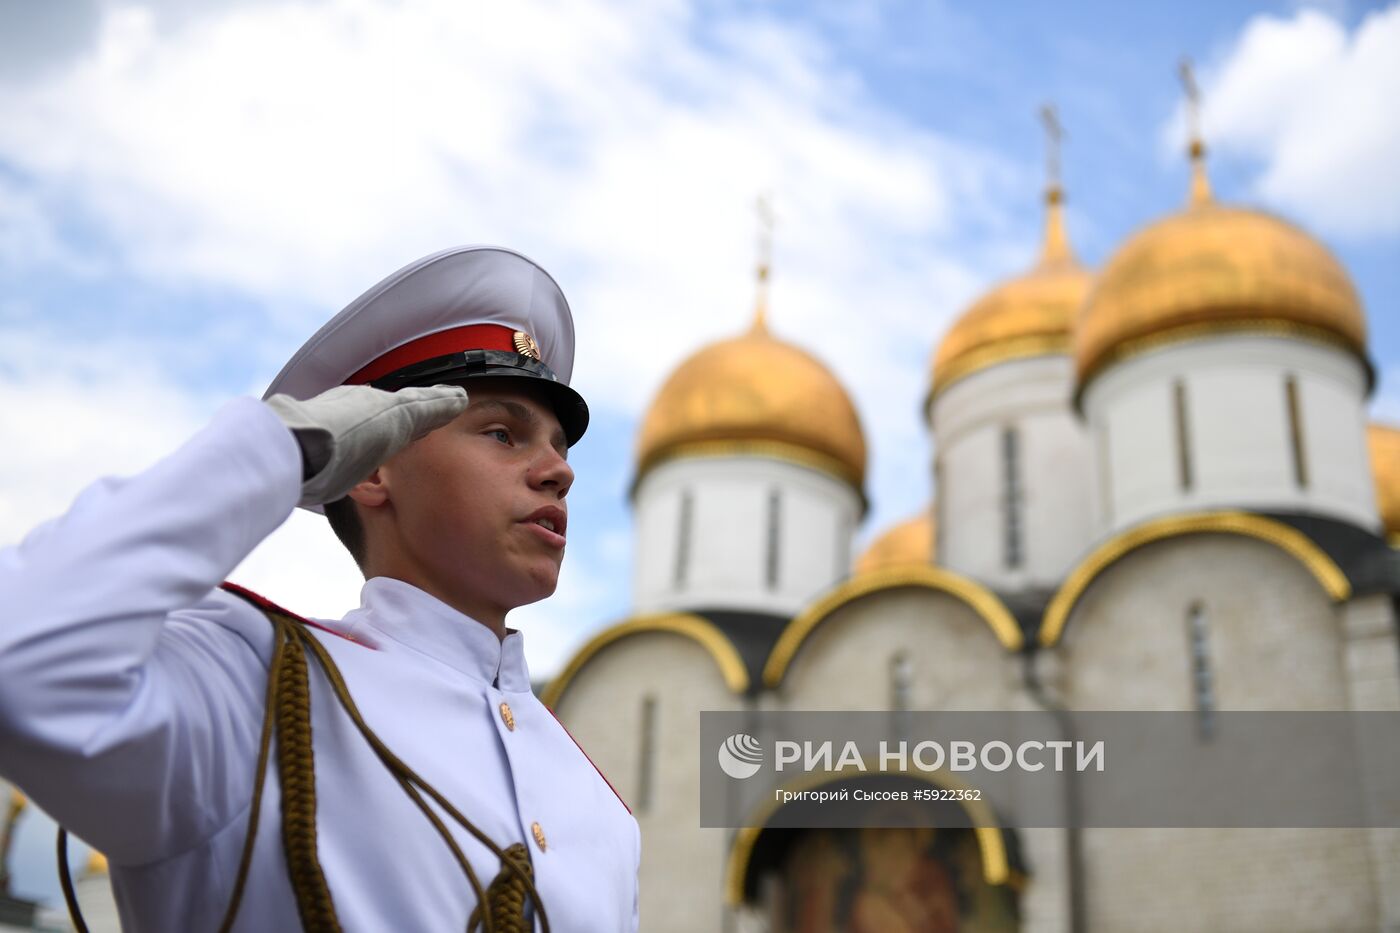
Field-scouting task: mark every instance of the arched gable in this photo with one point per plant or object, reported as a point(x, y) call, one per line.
point(1293, 542)
point(983, 602)
point(699, 630)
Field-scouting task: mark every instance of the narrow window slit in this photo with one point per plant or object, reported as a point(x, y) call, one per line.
point(683, 539)
point(1295, 433)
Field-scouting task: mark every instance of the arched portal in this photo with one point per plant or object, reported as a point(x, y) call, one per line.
point(890, 874)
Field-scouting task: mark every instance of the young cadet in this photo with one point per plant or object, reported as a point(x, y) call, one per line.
point(163, 717)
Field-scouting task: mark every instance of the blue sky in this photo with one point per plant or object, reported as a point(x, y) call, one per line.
point(188, 190)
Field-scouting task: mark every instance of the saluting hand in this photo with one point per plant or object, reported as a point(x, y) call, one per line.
point(348, 431)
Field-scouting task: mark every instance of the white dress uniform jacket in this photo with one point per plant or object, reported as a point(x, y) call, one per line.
point(132, 695)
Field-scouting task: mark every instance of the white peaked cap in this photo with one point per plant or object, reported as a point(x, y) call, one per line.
point(455, 288)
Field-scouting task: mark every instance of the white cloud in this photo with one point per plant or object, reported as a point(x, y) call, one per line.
point(1315, 106)
point(27, 234)
point(303, 149)
point(69, 419)
point(302, 566)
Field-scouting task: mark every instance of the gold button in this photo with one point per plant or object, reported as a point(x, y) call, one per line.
point(539, 835)
point(507, 716)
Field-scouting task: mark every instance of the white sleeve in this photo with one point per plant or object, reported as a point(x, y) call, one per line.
point(130, 688)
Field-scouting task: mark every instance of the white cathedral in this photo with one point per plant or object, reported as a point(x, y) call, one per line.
point(1154, 488)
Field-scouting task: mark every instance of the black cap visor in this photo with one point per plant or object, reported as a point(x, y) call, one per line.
point(569, 406)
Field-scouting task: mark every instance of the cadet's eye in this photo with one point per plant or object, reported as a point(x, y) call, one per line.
point(500, 434)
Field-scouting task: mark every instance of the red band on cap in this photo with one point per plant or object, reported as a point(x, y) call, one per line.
point(471, 337)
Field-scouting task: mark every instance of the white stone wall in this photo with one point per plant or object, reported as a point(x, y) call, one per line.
point(955, 660)
point(1276, 642)
point(1237, 424)
point(1372, 655)
point(98, 903)
point(1373, 683)
point(682, 864)
point(1033, 396)
point(1045, 902)
point(1275, 637)
point(727, 555)
point(1240, 880)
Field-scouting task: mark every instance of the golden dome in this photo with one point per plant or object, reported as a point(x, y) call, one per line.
point(1384, 441)
point(759, 395)
point(907, 543)
point(96, 864)
point(1216, 268)
point(1028, 316)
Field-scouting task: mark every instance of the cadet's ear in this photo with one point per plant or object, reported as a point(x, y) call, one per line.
point(372, 492)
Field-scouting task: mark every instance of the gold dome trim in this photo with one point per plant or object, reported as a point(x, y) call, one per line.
point(697, 629)
point(982, 600)
point(797, 454)
point(985, 357)
point(1328, 575)
point(996, 868)
point(1275, 327)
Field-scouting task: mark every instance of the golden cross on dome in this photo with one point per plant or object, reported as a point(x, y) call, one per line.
point(1056, 247)
point(1200, 184)
point(1193, 98)
point(766, 221)
point(1054, 132)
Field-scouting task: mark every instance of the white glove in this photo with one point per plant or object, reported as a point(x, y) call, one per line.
point(348, 431)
